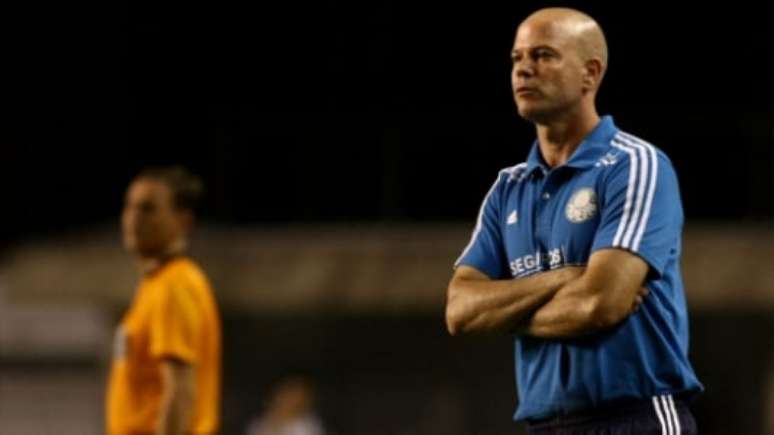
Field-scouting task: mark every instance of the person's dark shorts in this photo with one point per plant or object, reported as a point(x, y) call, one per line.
point(662, 415)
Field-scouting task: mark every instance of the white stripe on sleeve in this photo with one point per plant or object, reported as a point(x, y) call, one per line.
point(639, 198)
point(633, 163)
point(651, 189)
point(644, 167)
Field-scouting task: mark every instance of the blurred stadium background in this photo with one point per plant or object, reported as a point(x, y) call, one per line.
point(346, 147)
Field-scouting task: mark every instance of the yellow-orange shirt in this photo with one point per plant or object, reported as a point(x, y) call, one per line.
point(173, 315)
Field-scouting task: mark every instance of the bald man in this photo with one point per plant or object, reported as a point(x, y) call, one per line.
point(576, 252)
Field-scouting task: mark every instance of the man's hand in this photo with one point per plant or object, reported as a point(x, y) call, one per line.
point(639, 299)
point(609, 290)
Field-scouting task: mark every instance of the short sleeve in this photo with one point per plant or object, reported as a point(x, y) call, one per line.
point(485, 251)
point(641, 209)
point(175, 324)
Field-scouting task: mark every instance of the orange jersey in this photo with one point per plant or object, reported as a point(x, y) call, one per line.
point(173, 315)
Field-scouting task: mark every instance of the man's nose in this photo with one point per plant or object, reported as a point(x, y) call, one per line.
point(524, 68)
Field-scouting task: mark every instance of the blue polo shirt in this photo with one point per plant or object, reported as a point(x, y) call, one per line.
point(616, 191)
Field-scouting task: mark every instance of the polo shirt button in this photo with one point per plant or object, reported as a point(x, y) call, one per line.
point(546, 195)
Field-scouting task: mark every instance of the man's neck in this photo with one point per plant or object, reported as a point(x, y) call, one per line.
point(150, 264)
point(559, 139)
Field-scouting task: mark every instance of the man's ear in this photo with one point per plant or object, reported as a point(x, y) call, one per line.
point(592, 76)
point(187, 219)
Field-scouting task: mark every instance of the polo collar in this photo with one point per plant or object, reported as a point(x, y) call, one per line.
point(594, 146)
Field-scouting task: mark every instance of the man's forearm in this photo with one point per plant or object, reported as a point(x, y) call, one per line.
point(177, 398)
point(483, 305)
point(576, 310)
point(569, 313)
point(175, 413)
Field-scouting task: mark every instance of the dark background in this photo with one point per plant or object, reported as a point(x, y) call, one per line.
point(374, 111)
point(349, 110)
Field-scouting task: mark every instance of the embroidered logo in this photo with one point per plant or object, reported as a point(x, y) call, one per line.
point(582, 206)
point(513, 218)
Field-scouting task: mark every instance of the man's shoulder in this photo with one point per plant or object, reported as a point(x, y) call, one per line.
point(184, 272)
point(633, 161)
point(512, 173)
point(634, 149)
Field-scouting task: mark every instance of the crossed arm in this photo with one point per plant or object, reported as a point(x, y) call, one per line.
point(567, 302)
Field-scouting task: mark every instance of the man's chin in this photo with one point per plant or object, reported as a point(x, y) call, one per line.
point(534, 114)
point(139, 250)
point(530, 114)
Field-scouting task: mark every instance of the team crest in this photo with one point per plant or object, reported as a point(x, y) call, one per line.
point(582, 206)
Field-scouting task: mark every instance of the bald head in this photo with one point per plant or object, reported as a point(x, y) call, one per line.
point(559, 58)
point(572, 27)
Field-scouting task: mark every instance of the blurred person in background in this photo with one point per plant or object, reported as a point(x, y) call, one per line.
point(577, 252)
point(165, 376)
point(290, 411)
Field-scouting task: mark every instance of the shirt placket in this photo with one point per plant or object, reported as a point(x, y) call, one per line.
point(544, 210)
